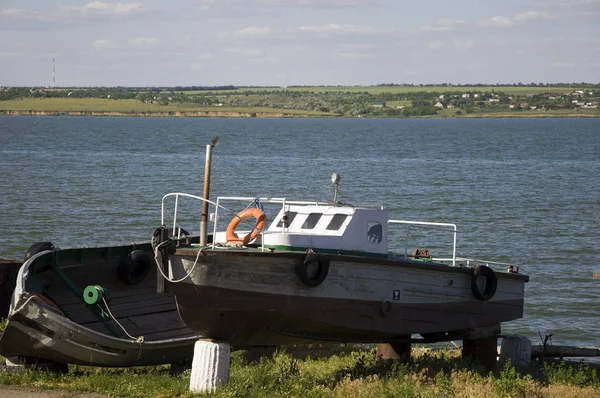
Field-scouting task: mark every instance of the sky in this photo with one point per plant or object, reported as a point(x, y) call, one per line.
point(145, 43)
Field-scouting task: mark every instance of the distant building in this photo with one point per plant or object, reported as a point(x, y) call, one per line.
point(379, 104)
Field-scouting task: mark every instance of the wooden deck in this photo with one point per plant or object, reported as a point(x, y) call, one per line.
point(139, 309)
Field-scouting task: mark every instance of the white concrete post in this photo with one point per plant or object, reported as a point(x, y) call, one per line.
point(210, 366)
point(517, 349)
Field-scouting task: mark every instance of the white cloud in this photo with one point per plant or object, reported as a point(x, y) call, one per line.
point(524, 17)
point(443, 26)
point(143, 41)
point(103, 9)
point(531, 16)
point(435, 44)
point(200, 61)
point(339, 28)
point(320, 3)
point(252, 32)
point(252, 52)
point(497, 21)
point(562, 65)
point(102, 44)
point(204, 57)
point(352, 55)
point(462, 45)
point(12, 12)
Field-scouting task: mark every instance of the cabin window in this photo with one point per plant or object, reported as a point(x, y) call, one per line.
point(311, 220)
point(286, 219)
point(374, 232)
point(336, 222)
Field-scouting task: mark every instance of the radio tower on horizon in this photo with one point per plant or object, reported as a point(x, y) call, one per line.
point(53, 73)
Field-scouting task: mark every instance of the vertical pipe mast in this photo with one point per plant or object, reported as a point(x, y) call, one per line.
point(204, 218)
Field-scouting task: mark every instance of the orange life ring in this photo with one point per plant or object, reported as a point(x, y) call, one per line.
point(261, 219)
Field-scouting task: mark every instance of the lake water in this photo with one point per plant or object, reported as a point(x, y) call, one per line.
point(522, 191)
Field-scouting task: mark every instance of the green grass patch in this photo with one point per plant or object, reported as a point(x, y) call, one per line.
point(334, 371)
point(395, 104)
point(517, 90)
point(132, 106)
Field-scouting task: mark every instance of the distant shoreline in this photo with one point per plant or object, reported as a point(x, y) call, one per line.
point(230, 114)
point(152, 114)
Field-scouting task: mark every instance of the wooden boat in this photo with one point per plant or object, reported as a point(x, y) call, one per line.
point(94, 306)
point(325, 271)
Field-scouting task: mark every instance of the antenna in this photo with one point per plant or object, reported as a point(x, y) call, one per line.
point(53, 73)
point(335, 179)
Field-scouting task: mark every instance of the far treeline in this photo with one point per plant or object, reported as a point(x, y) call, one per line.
point(384, 100)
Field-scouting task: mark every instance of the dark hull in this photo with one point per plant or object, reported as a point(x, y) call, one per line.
point(49, 319)
point(245, 318)
point(61, 341)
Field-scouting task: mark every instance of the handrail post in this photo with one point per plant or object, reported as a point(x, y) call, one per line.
point(175, 216)
point(203, 220)
point(454, 248)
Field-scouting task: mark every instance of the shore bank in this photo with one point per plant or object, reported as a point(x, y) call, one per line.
point(231, 114)
point(150, 114)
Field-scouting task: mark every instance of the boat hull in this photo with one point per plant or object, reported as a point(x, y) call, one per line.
point(36, 331)
point(50, 320)
point(251, 298)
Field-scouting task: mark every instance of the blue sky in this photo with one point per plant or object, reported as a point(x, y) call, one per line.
point(297, 42)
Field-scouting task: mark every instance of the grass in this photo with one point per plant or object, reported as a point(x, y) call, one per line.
point(281, 102)
point(131, 106)
point(335, 371)
point(583, 112)
point(517, 90)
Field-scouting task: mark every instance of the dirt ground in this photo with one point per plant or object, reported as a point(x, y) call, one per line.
point(25, 392)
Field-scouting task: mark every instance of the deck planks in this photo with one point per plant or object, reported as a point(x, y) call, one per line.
point(140, 310)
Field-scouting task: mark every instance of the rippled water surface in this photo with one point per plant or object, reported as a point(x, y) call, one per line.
point(524, 191)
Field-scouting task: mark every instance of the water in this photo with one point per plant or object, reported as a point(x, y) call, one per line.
point(523, 191)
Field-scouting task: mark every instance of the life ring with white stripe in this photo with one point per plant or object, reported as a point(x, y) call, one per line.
point(261, 219)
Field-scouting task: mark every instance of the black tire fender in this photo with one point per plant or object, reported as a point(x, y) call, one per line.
point(38, 248)
point(134, 268)
point(319, 277)
point(491, 282)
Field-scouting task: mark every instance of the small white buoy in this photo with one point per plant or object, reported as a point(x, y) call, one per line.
point(517, 349)
point(210, 366)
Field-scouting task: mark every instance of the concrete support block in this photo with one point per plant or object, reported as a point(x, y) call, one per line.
point(210, 366)
point(517, 349)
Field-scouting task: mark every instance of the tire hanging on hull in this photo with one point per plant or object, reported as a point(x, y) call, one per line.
point(491, 282)
point(134, 267)
point(319, 276)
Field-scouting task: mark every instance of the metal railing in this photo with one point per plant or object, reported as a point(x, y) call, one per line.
point(284, 202)
point(433, 224)
point(218, 206)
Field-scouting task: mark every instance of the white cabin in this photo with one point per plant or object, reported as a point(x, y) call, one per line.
point(341, 228)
